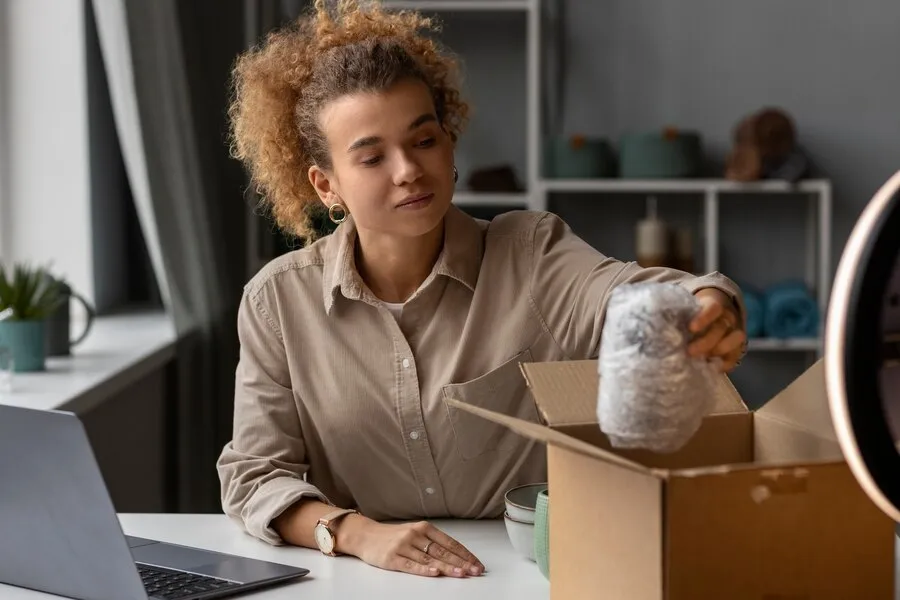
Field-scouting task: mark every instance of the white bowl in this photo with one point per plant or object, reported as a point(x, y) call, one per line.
point(521, 536)
point(521, 500)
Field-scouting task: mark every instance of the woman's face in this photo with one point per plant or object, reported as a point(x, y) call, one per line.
point(392, 163)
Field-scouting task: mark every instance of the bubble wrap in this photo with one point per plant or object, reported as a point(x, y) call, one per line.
point(653, 395)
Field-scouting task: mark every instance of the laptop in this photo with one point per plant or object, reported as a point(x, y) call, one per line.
point(59, 532)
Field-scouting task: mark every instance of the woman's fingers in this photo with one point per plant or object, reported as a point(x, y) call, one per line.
point(730, 349)
point(720, 340)
point(710, 310)
point(728, 345)
point(413, 567)
point(416, 552)
point(460, 566)
point(449, 550)
point(704, 344)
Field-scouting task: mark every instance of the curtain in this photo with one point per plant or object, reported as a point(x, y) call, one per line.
point(168, 92)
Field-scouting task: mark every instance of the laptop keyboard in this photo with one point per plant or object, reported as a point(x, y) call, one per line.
point(171, 585)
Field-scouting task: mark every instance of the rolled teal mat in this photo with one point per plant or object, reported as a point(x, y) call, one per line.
point(753, 301)
point(790, 311)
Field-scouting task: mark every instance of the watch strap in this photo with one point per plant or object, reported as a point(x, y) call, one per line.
point(331, 517)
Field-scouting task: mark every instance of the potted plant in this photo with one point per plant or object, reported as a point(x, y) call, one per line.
point(28, 295)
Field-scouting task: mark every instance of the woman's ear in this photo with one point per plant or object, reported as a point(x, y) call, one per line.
point(321, 183)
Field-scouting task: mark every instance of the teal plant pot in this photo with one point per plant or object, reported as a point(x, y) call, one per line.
point(579, 158)
point(25, 340)
point(542, 533)
point(660, 155)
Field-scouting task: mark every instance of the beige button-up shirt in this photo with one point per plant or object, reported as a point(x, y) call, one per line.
point(337, 399)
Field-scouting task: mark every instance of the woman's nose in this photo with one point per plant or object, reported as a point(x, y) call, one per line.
point(407, 170)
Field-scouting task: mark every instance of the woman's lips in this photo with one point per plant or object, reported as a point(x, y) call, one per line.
point(416, 202)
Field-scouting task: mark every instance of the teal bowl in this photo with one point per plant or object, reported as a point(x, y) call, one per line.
point(660, 155)
point(575, 157)
point(542, 533)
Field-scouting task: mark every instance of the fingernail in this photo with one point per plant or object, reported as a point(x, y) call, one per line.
point(433, 569)
point(458, 571)
point(474, 570)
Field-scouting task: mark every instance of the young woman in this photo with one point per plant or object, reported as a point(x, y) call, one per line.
point(351, 345)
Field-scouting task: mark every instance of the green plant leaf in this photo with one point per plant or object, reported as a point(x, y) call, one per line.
point(31, 292)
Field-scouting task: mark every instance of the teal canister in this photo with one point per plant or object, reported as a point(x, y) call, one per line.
point(668, 153)
point(578, 157)
point(25, 341)
point(542, 532)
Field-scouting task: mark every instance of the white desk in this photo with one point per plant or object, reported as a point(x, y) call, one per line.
point(509, 576)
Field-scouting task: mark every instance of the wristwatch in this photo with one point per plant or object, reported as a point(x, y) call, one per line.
point(324, 535)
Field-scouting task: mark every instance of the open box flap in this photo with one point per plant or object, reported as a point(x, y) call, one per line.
point(804, 404)
point(543, 433)
point(565, 392)
point(728, 400)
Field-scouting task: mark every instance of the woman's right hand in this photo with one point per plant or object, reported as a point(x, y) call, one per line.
point(401, 547)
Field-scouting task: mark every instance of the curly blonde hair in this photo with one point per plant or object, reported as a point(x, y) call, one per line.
point(279, 87)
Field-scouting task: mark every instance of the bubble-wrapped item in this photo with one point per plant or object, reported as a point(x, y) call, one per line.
point(653, 394)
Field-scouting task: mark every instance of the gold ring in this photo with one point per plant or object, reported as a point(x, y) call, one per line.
point(427, 546)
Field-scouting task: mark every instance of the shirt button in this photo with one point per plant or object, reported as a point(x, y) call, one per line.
point(414, 435)
point(429, 490)
point(405, 363)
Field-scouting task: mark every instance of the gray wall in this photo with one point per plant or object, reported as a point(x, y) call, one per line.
point(491, 47)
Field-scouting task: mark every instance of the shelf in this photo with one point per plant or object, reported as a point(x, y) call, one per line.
point(458, 5)
point(490, 199)
point(775, 344)
point(681, 185)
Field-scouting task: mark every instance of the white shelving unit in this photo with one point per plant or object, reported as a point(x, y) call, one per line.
point(816, 192)
point(801, 344)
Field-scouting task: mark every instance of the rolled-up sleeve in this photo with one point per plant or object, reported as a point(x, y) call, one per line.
point(571, 282)
point(261, 469)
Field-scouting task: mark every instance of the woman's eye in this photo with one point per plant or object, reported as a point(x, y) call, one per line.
point(426, 143)
point(372, 161)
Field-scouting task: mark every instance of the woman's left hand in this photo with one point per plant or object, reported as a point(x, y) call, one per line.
point(717, 329)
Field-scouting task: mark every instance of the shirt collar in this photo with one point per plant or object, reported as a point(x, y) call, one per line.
point(463, 248)
point(460, 259)
point(339, 270)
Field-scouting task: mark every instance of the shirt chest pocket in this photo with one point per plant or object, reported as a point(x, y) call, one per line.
point(501, 390)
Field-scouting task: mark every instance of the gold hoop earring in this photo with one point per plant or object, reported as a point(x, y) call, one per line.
point(455, 174)
point(337, 206)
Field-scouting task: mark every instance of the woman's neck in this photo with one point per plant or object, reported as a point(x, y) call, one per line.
point(394, 267)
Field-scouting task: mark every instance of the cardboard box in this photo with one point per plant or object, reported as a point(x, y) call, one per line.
point(757, 505)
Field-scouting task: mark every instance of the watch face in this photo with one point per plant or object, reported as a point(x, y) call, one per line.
point(324, 539)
